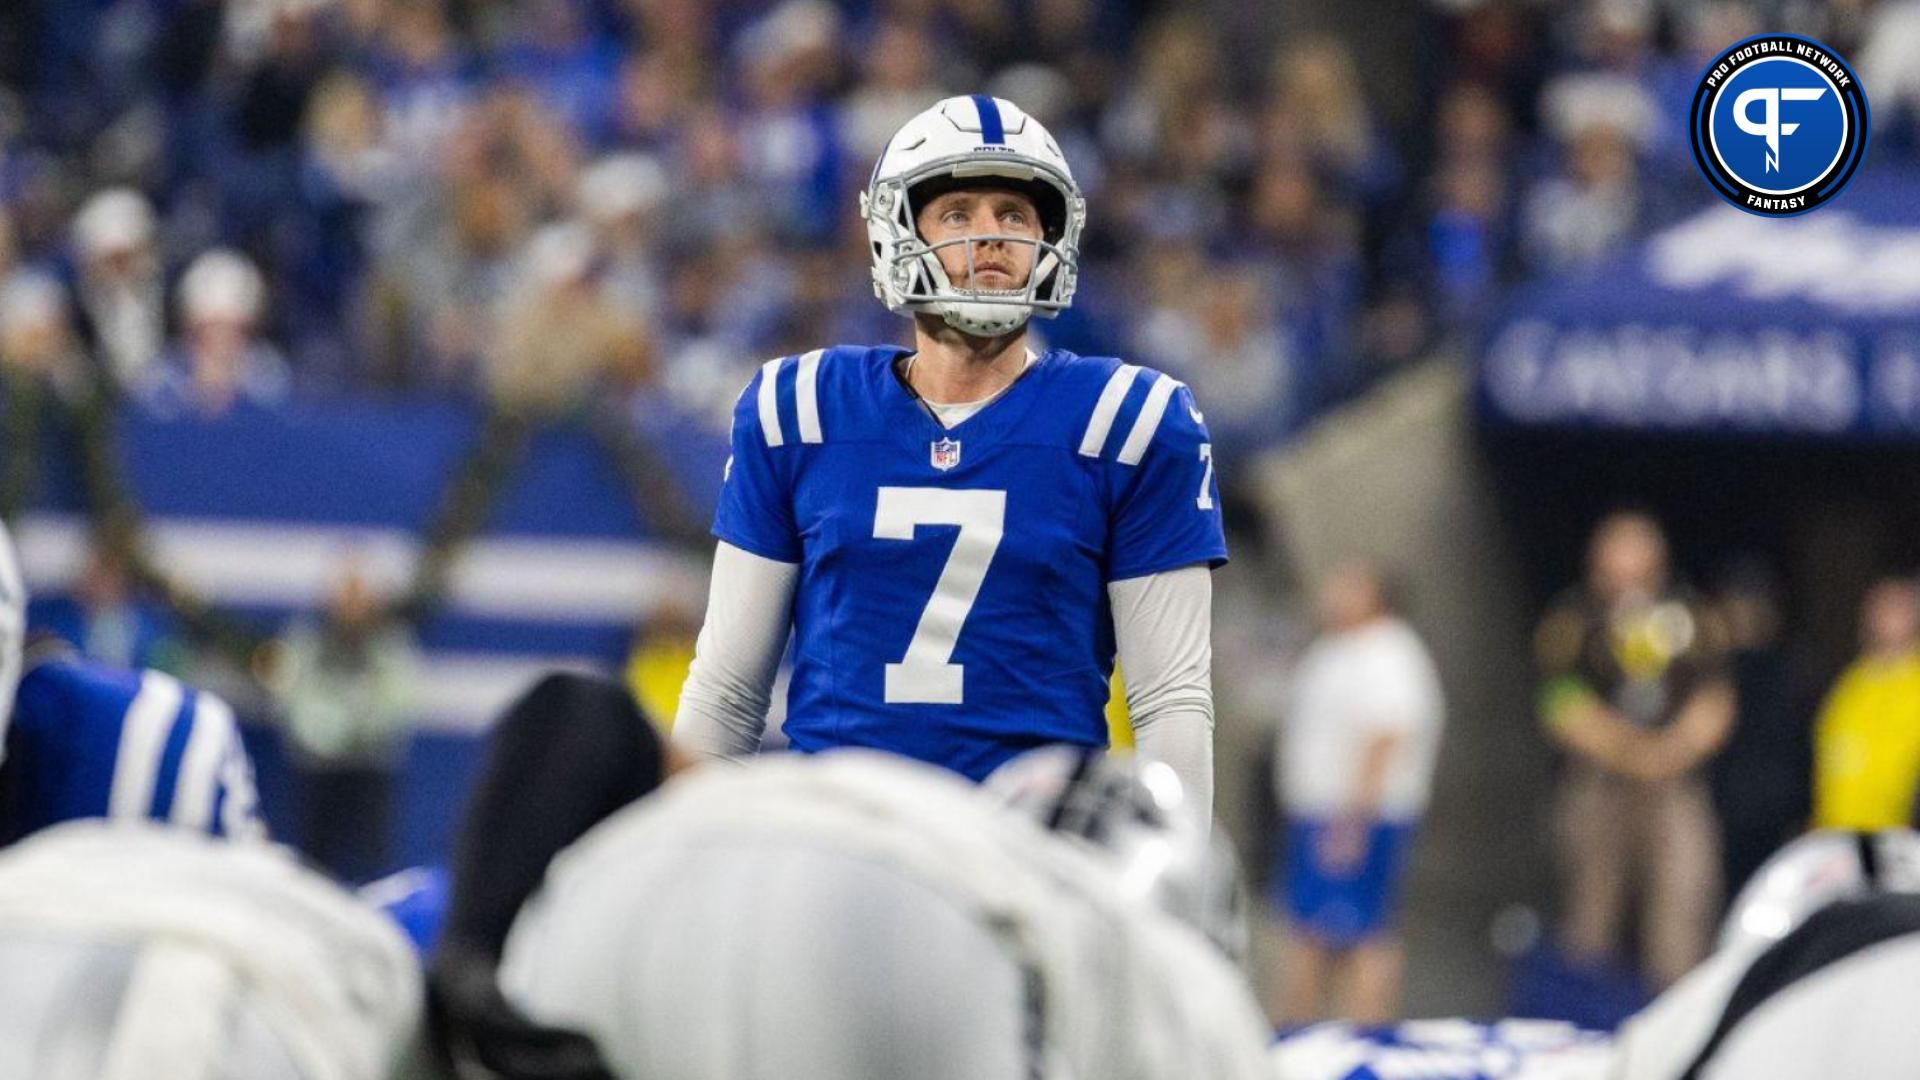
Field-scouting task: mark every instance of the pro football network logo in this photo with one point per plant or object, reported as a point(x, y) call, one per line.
point(946, 454)
point(1779, 124)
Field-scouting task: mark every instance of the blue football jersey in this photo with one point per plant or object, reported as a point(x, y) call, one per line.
point(91, 741)
point(952, 598)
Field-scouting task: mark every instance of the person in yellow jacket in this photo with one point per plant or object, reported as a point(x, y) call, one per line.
point(657, 666)
point(1867, 739)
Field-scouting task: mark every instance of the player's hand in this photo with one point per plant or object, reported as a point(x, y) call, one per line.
point(480, 1035)
point(1343, 846)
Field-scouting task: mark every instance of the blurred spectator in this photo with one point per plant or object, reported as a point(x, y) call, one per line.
point(1307, 246)
point(1469, 237)
point(122, 297)
point(657, 667)
point(682, 32)
point(1177, 143)
point(561, 335)
point(221, 361)
point(1357, 752)
point(716, 202)
point(655, 93)
point(350, 184)
point(790, 141)
point(36, 334)
point(106, 619)
point(1867, 741)
point(1179, 66)
point(1467, 234)
point(1083, 37)
point(1224, 339)
point(276, 87)
point(433, 301)
point(347, 684)
point(573, 69)
point(703, 356)
point(1636, 693)
point(1590, 208)
point(422, 77)
point(1762, 781)
point(1889, 62)
point(1317, 109)
point(1610, 77)
point(900, 81)
point(621, 198)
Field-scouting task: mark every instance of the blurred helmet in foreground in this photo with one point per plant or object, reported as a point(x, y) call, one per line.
point(1814, 871)
point(135, 950)
point(861, 916)
point(1133, 814)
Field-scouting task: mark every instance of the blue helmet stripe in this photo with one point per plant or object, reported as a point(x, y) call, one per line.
point(992, 131)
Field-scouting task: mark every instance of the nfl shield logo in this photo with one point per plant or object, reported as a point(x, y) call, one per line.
point(946, 454)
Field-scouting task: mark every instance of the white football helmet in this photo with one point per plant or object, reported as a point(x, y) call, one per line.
point(1814, 871)
point(1133, 814)
point(125, 944)
point(13, 629)
point(862, 916)
point(959, 141)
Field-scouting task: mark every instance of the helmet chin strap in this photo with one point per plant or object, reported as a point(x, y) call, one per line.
point(984, 320)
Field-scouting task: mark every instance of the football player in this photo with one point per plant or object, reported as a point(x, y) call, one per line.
point(960, 534)
point(83, 740)
point(863, 916)
point(131, 950)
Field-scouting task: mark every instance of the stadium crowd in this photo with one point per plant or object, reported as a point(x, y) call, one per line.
point(220, 205)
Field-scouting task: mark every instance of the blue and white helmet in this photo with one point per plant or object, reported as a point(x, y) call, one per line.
point(13, 629)
point(958, 140)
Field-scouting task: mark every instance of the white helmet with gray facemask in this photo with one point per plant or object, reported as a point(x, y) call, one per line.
point(967, 142)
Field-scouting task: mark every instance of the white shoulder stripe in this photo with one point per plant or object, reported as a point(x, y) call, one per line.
point(1106, 409)
point(207, 746)
point(143, 738)
point(770, 402)
point(1148, 421)
point(806, 396)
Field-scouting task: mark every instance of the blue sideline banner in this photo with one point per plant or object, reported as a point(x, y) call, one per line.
point(1728, 323)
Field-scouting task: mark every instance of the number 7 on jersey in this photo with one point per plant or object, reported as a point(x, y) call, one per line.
point(925, 675)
